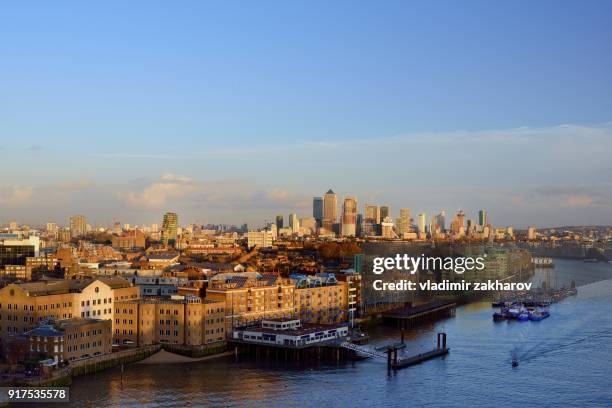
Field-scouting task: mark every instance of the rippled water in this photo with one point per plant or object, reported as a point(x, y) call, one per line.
point(565, 360)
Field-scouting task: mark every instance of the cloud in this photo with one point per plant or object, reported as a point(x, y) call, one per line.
point(15, 194)
point(578, 201)
point(180, 191)
point(169, 189)
point(35, 148)
point(75, 185)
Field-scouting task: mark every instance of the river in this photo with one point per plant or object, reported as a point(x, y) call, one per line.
point(565, 360)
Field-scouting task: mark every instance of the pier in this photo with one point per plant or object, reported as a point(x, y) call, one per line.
point(407, 317)
point(393, 362)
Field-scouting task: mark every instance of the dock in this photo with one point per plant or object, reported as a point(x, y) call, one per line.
point(394, 363)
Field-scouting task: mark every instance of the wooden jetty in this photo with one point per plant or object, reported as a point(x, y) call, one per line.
point(394, 363)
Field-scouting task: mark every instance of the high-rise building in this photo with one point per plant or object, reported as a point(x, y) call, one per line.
point(403, 222)
point(279, 221)
point(482, 218)
point(78, 225)
point(441, 220)
point(294, 223)
point(169, 228)
point(458, 224)
point(422, 223)
point(317, 210)
point(385, 211)
point(349, 217)
point(330, 208)
point(371, 220)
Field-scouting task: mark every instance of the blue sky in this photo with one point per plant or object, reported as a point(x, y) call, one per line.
point(232, 112)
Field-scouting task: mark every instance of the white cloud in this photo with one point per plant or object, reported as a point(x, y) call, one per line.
point(10, 194)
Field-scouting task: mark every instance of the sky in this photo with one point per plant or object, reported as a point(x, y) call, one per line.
point(232, 112)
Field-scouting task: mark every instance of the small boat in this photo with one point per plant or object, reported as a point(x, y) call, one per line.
point(523, 317)
point(590, 260)
point(538, 315)
point(499, 316)
point(514, 362)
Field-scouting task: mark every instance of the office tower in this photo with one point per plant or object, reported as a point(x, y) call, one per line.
point(403, 221)
point(294, 223)
point(308, 225)
point(279, 221)
point(13, 226)
point(52, 228)
point(154, 228)
point(482, 218)
point(169, 228)
point(458, 224)
point(422, 223)
point(330, 206)
point(441, 220)
point(371, 220)
point(78, 225)
point(385, 211)
point(349, 217)
point(317, 210)
point(386, 228)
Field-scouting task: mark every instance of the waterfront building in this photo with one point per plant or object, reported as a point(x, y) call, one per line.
point(349, 217)
point(330, 208)
point(71, 339)
point(169, 228)
point(317, 210)
point(23, 305)
point(179, 320)
point(78, 226)
point(252, 296)
point(289, 332)
point(320, 298)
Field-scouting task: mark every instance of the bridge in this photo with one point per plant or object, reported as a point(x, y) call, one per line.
point(363, 350)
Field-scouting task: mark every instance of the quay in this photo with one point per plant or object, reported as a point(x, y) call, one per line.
point(393, 362)
point(409, 316)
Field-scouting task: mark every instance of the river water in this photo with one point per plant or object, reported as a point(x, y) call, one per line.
point(565, 360)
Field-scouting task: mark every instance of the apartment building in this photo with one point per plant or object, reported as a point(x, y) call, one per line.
point(23, 305)
point(321, 298)
point(71, 339)
point(250, 297)
point(180, 320)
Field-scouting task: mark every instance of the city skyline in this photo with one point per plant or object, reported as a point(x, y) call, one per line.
point(222, 120)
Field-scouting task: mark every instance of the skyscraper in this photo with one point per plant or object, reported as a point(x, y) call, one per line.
point(441, 220)
point(482, 218)
point(385, 211)
point(317, 210)
point(78, 225)
point(279, 221)
point(169, 228)
point(371, 220)
point(422, 223)
point(330, 208)
point(349, 217)
point(403, 222)
point(294, 223)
